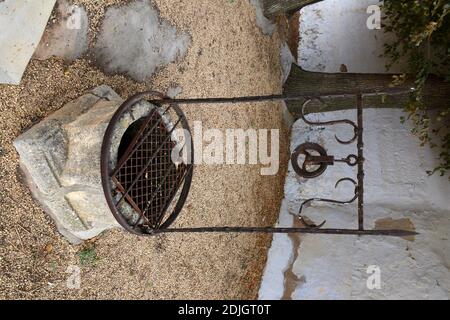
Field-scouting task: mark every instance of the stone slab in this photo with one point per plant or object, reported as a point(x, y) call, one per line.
point(22, 23)
point(60, 157)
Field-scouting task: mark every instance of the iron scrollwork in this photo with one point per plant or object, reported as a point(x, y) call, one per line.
point(310, 160)
point(316, 161)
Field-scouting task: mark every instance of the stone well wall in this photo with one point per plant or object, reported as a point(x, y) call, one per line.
point(60, 157)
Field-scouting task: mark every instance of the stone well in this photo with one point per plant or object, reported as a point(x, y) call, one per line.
point(60, 157)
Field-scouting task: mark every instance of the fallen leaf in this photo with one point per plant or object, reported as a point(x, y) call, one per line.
point(48, 247)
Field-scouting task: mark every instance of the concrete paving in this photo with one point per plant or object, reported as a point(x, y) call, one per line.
point(134, 40)
point(67, 36)
point(22, 24)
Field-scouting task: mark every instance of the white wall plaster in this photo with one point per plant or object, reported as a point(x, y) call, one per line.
point(334, 33)
point(397, 187)
point(398, 192)
point(286, 59)
point(267, 27)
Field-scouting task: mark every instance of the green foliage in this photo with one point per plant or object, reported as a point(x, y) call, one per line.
point(87, 255)
point(422, 32)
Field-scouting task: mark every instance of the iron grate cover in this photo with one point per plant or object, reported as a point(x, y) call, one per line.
point(154, 190)
point(146, 180)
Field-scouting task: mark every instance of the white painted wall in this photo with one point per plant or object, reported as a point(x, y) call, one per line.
point(397, 187)
point(335, 33)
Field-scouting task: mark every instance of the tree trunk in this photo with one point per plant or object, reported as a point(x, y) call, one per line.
point(272, 8)
point(436, 93)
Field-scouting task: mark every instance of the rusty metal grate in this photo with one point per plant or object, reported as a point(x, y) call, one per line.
point(145, 176)
point(151, 192)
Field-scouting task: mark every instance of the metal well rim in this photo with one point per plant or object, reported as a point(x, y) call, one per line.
point(107, 172)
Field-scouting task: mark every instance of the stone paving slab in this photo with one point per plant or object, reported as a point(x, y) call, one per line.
point(22, 23)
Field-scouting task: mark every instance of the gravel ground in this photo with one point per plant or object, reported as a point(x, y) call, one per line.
point(228, 56)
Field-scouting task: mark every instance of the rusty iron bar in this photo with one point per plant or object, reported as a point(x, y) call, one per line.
point(393, 233)
point(131, 149)
point(138, 154)
point(128, 197)
point(329, 123)
point(154, 193)
point(133, 158)
point(324, 160)
point(166, 204)
point(360, 175)
point(151, 142)
point(281, 97)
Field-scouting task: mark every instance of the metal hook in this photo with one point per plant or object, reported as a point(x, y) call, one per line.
point(311, 225)
point(332, 122)
point(332, 200)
